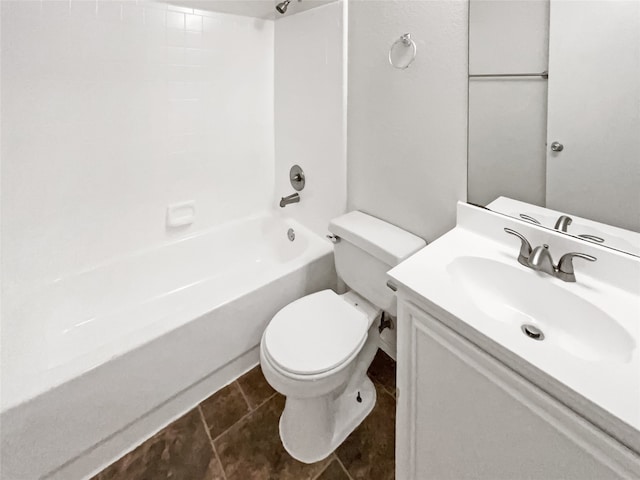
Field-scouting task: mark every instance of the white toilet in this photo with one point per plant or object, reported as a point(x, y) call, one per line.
point(316, 350)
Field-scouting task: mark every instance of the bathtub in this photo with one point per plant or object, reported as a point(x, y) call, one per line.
point(94, 363)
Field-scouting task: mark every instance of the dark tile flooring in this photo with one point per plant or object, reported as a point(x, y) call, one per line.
point(233, 435)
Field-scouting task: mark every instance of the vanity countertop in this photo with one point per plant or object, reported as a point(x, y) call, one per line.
point(592, 368)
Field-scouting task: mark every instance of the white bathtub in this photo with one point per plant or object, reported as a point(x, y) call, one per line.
point(94, 363)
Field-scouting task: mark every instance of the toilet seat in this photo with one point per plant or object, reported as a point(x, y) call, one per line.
point(315, 334)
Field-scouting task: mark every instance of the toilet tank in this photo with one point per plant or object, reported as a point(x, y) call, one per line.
point(366, 250)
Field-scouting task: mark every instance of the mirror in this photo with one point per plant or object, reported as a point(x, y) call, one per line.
point(554, 115)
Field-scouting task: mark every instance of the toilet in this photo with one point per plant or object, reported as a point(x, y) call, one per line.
point(317, 349)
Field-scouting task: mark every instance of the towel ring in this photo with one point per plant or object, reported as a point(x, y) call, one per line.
point(406, 41)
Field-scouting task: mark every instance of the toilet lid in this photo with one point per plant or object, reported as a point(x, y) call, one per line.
point(315, 333)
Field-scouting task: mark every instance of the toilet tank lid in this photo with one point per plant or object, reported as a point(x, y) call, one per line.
point(384, 241)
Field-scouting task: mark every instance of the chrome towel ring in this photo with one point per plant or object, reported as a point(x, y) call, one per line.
point(399, 59)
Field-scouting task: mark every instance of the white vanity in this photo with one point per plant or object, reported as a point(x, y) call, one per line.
point(482, 397)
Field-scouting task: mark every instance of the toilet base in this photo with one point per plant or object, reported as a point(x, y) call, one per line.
point(327, 421)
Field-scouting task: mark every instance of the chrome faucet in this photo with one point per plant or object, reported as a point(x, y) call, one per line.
point(539, 259)
point(563, 222)
point(293, 198)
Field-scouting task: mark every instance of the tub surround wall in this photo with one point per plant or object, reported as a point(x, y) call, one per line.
point(250, 8)
point(112, 110)
point(310, 112)
point(407, 137)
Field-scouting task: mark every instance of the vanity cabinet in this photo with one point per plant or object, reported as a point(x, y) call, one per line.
point(462, 414)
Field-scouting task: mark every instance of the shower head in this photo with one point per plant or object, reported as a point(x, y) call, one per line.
point(282, 6)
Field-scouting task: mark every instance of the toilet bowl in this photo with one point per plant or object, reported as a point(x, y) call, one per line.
point(328, 393)
point(317, 349)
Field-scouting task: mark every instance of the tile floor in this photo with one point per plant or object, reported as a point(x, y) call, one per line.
point(233, 435)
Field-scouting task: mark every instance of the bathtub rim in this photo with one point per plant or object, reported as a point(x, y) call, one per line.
point(19, 389)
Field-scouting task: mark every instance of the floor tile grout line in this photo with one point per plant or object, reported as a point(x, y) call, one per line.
point(244, 395)
point(393, 394)
point(246, 415)
point(213, 447)
point(343, 467)
point(329, 459)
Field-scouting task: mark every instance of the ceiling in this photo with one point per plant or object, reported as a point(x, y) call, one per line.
point(249, 8)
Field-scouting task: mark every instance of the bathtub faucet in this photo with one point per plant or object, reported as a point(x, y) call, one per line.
point(293, 198)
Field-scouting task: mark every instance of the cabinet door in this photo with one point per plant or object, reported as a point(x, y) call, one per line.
point(594, 110)
point(464, 415)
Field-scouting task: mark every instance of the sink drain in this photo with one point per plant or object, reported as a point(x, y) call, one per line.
point(291, 234)
point(533, 332)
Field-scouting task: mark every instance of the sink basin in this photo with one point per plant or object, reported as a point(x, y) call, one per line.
point(504, 293)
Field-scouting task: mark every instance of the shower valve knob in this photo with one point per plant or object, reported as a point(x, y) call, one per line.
point(296, 177)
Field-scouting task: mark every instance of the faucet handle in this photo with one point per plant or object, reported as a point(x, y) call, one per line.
point(565, 265)
point(525, 247)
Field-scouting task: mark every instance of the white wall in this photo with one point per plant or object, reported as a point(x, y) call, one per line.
point(310, 112)
point(407, 129)
point(508, 116)
point(113, 110)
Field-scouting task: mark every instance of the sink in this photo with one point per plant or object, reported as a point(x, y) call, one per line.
point(505, 293)
point(581, 338)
